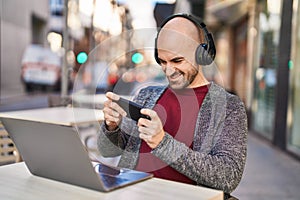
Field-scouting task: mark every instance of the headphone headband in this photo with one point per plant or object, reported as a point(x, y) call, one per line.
point(196, 20)
point(205, 53)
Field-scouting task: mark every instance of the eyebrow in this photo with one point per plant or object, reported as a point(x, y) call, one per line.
point(173, 59)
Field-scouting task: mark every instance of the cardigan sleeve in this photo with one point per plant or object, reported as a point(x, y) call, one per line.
point(110, 143)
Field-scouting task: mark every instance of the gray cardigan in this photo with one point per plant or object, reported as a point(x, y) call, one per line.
point(218, 156)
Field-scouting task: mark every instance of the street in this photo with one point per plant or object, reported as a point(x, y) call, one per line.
point(24, 102)
point(270, 174)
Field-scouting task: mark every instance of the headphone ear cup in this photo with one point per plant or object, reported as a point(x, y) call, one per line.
point(202, 56)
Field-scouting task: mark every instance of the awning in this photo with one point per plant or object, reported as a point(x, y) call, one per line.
point(228, 12)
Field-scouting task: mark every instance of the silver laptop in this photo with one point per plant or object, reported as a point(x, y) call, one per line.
point(57, 152)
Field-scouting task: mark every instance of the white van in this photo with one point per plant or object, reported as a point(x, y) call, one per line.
point(40, 67)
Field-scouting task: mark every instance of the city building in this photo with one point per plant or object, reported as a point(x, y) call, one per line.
point(258, 42)
point(22, 23)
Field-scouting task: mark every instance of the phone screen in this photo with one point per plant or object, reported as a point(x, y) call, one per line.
point(132, 109)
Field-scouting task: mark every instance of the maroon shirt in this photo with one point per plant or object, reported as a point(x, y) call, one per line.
point(178, 111)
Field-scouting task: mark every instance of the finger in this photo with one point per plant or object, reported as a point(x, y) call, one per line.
point(114, 113)
point(111, 115)
point(145, 137)
point(110, 118)
point(143, 122)
point(109, 104)
point(112, 96)
point(111, 125)
point(143, 130)
point(151, 113)
point(117, 108)
point(110, 112)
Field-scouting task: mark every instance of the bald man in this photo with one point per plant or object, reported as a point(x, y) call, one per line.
point(197, 132)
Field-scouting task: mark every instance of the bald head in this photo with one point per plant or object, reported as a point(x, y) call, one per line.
point(180, 36)
point(185, 27)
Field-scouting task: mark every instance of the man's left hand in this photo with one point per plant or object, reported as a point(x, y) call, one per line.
point(151, 131)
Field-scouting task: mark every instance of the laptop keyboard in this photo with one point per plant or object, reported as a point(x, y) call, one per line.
point(112, 181)
point(104, 169)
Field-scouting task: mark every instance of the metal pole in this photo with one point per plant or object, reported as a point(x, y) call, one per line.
point(65, 74)
point(282, 87)
point(1, 2)
point(92, 41)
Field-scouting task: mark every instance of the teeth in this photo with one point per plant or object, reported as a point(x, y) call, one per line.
point(175, 75)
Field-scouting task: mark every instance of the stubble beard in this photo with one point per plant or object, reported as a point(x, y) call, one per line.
point(184, 81)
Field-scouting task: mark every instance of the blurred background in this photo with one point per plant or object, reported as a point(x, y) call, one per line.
point(46, 43)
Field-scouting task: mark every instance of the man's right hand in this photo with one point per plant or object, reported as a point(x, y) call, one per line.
point(113, 113)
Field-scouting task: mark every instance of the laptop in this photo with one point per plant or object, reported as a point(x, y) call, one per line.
point(56, 152)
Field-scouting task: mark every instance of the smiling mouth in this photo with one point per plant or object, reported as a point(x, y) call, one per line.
point(175, 75)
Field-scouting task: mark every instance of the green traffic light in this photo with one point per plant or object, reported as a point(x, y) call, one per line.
point(137, 58)
point(82, 57)
point(291, 64)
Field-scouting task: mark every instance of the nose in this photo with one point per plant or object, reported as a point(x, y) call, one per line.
point(169, 70)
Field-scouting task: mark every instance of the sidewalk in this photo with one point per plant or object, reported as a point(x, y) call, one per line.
point(270, 174)
point(22, 102)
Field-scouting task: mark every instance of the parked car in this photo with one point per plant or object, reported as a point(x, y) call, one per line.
point(41, 68)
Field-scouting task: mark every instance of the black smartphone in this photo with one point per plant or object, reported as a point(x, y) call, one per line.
point(132, 109)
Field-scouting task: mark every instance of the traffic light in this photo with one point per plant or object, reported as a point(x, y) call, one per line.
point(81, 57)
point(137, 58)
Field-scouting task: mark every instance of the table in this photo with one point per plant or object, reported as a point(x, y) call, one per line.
point(86, 121)
point(17, 183)
point(68, 116)
point(87, 100)
point(92, 100)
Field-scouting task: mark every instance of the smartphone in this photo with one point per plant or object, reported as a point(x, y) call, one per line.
point(132, 109)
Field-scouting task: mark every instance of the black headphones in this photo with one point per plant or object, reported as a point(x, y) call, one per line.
point(205, 52)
